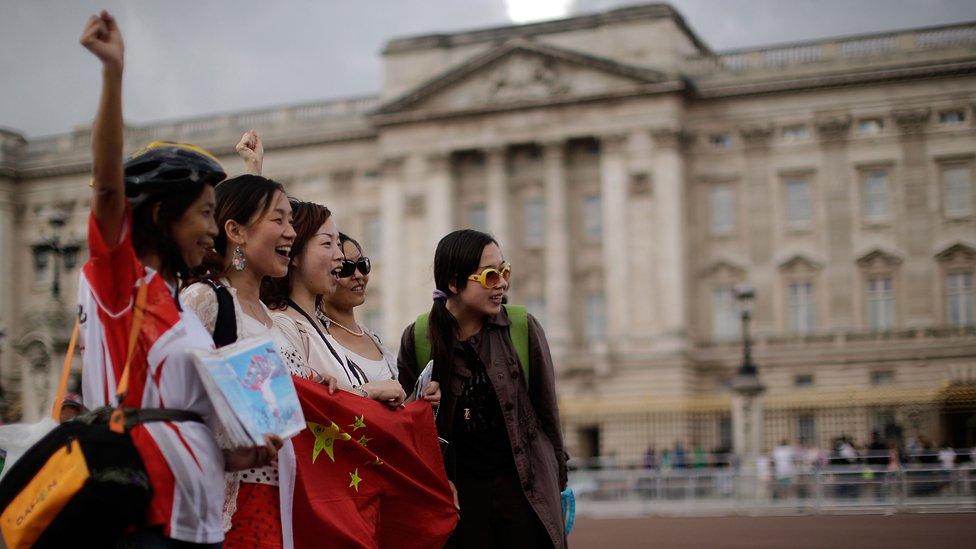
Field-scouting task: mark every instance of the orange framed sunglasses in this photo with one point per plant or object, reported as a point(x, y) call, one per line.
point(492, 277)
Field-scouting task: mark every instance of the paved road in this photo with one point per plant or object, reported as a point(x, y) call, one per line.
point(926, 531)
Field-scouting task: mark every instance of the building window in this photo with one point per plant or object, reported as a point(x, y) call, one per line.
point(722, 202)
point(870, 126)
point(957, 193)
point(806, 428)
point(593, 217)
point(595, 329)
point(802, 314)
point(720, 140)
point(372, 239)
point(725, 313)
point(798, 210)
point(537, 307)
point(534, 210)
point(952, 117)
point(882, 377)
point(478, 217)
point(959, 296)
point(874, 196)
point(881, 303)
point(797, 132)
point(803, 380)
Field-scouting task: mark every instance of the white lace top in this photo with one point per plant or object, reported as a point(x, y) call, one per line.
point(202, 299)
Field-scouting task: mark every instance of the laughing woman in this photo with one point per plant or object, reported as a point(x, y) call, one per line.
point(361, 347)
point(505, 451)
point(254, 239)
point(151, 222)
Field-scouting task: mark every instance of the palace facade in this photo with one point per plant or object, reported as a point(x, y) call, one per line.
point(634, 178)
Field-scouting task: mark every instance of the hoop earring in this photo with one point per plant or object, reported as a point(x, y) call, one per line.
point(238, 261)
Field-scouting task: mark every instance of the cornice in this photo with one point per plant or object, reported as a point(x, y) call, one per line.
point(704, 90)
point(40, 170)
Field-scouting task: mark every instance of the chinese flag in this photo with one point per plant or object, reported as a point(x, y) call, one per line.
point(368, 476)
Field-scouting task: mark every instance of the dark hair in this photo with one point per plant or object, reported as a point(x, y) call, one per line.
point(154, 235)
point(343, 238)
point(240, 199)
point(307, 217)
point(457, 256)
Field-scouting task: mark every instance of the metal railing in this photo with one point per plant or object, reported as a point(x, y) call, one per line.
point(731, 491)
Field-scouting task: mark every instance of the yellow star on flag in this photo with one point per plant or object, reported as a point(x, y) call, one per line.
point(325, 437)
point(354, 479)
point(360, 423)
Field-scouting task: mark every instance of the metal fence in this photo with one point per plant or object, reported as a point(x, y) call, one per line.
point(729, 490)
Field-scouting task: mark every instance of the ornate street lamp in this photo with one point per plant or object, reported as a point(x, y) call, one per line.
point(64, 253)
point(746, 381)
point(747, 413)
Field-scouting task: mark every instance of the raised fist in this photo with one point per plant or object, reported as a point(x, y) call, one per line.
point(103, 38)
point(251, 149)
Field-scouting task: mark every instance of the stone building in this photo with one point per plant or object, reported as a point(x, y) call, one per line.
point(634, 178)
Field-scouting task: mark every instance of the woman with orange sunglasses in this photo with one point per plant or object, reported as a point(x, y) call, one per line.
point(504, 450)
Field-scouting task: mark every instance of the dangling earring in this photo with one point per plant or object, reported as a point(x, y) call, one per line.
point(239, 262)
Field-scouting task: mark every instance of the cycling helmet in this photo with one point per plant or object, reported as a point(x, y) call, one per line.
point(164, 167)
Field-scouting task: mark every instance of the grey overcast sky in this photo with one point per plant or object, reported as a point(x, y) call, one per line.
point(192, 57)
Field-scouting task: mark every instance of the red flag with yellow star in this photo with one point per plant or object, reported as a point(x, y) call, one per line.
point(368, 476)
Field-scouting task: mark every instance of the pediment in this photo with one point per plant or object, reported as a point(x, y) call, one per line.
point(723, 269)
point(800, 263)
point(522, 72)
point(959, 250)
point(879, 256)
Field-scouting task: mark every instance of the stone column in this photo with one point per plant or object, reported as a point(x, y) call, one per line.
point(556, 259)
point(613, 192)
point(496, 181)
point(671, 195)
point(835, 188)
point(920, 216)
point(391, 214)
point(440, 195)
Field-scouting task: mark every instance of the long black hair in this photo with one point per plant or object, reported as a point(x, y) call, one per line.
point(458, 255)
point(153, 233)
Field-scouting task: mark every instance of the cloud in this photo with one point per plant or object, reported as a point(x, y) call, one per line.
point(188, 58)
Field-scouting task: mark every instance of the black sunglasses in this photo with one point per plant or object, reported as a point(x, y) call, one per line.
point(349, 267)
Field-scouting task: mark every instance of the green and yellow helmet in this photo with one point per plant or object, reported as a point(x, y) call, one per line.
point(164, 167)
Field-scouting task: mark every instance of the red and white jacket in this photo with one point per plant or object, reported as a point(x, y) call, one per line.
point(184, 463)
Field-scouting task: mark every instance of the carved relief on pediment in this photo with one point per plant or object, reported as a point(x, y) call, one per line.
point(525, 76)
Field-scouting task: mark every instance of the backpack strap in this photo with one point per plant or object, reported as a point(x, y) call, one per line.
point(518, 315)
point(225, 327)
point(421, 341)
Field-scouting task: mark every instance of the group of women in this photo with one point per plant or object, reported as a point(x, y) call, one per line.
point(174, 243)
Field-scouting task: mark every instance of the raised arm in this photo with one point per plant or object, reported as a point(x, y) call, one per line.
point(251, 149)
point(103, 38)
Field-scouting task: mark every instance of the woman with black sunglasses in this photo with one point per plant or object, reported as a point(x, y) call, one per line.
point(361, 346)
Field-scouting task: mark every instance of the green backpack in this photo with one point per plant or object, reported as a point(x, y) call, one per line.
point(519, 331)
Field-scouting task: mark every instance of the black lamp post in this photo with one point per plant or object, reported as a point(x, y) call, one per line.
point(746, 381)
point(64, 253)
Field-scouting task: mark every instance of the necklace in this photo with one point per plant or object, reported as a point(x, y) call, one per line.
point(362, 331)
